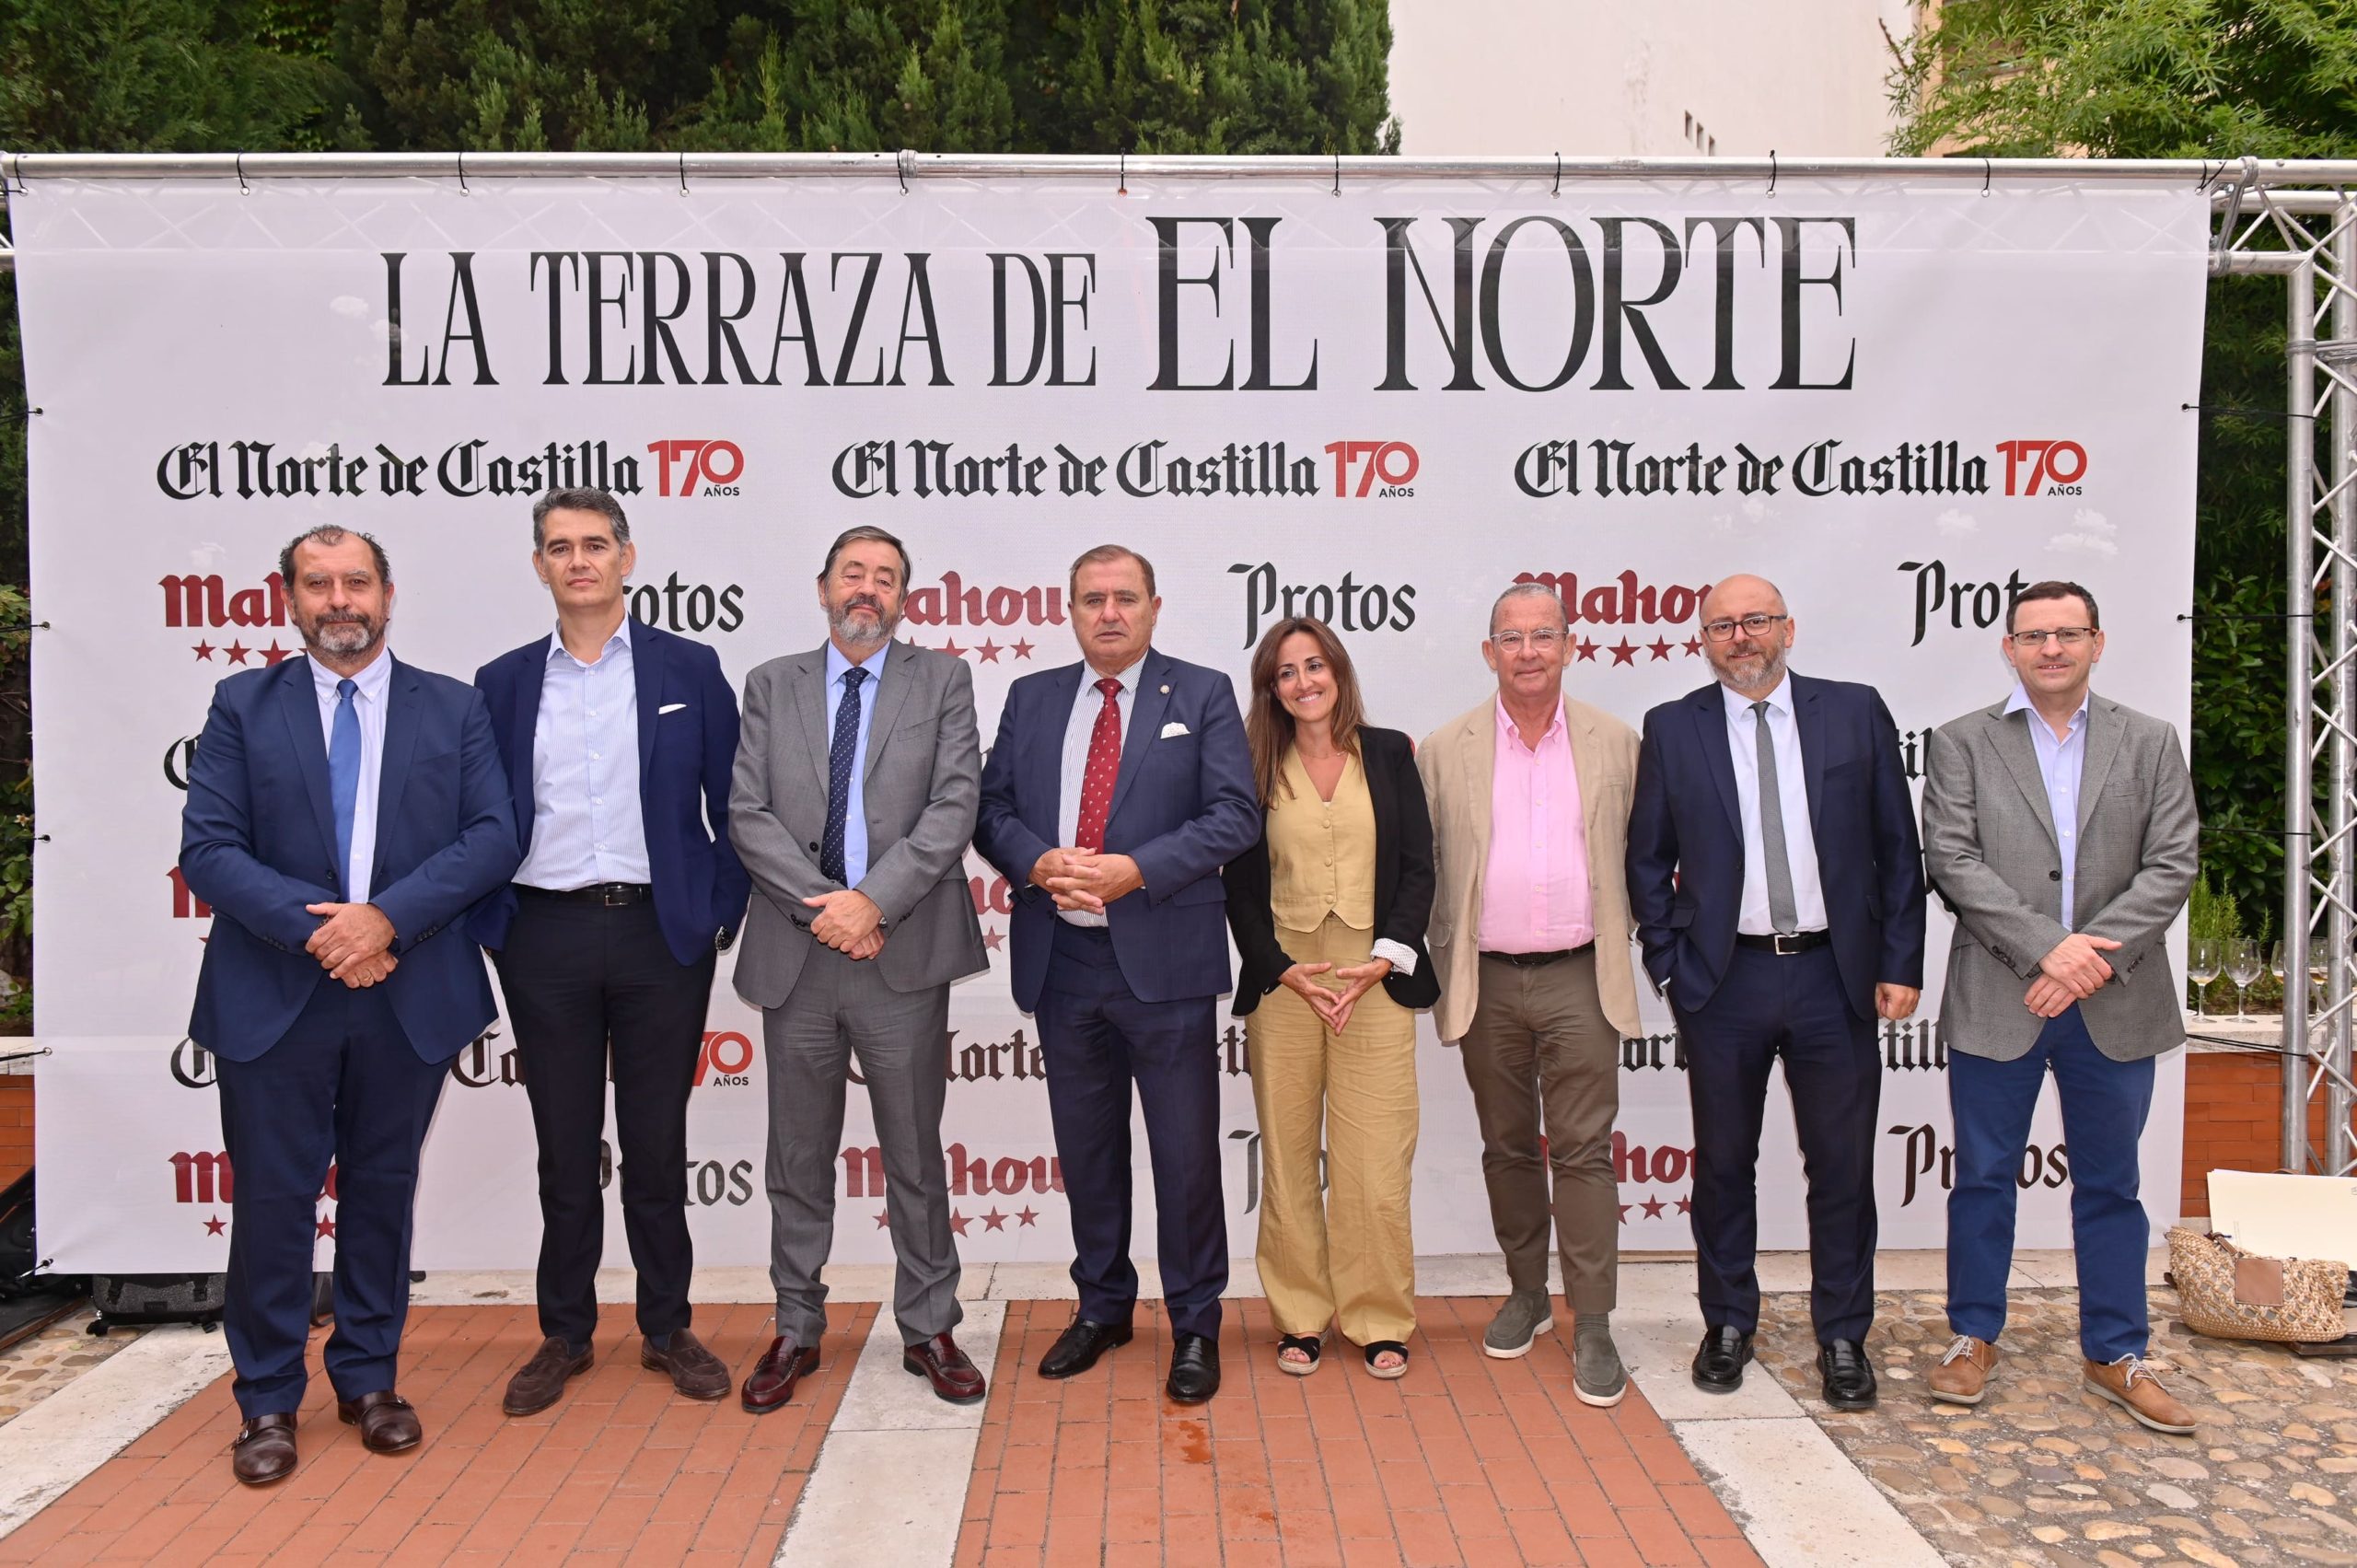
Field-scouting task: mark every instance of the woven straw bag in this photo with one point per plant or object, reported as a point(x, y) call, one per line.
point(2229, 1294)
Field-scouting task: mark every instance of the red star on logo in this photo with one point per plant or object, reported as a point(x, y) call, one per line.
point(205, 651)
point(237, 652)
point(1624, 1212)
point(1693, 647)
point(994, 1221)
point(326, 1228)
point(883, 1218)
point(989, 652)
point(1686, 1205)
point(1028, 1215)
point(1022, 650)
point(1660, 649)
point(959, 1222)
point(1623, 651)
point(272, 654)
point(993, 937)
point(1653, 1206)
point(953, 650)
point(213, 1226)
point(1586, 648)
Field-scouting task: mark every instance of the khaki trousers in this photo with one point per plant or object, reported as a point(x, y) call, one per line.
point(1350, 1257)
point(1539, 1044)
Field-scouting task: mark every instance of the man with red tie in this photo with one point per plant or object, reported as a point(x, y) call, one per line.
point(1116, 790)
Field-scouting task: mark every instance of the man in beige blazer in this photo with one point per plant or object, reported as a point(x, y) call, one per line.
point(1530, 797)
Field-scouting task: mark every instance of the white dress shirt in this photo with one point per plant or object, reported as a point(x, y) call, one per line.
point(1792, 793)
point(2063, 762)
point(588, 826)
point(368, 702)
point(1085, 706)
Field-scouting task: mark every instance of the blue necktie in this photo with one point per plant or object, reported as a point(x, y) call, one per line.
point(838, 761)
point(343, 777)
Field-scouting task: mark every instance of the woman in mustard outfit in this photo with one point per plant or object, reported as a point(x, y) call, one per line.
point(1328, 911)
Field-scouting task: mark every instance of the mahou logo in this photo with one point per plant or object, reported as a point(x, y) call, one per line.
point(954, 603)
point(205, 602)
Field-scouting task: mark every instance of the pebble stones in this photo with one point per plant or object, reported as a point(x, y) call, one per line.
point(2043, 1474)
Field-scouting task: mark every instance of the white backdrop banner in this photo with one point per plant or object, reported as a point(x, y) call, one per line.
point(1378, 405)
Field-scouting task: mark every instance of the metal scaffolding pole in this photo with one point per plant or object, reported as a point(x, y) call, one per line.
point(2299, 651)
point(2342, 897)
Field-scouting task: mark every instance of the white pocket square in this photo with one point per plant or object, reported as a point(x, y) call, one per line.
point(1173, 727)
point(668, 708)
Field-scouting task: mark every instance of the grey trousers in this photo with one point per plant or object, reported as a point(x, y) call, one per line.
point(840, 1007)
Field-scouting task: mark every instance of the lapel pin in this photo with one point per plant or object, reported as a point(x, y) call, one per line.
point(1165, 691)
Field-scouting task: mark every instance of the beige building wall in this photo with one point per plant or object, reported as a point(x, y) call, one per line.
point(1645, 78)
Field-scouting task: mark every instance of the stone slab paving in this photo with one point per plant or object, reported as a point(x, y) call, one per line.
point(36, 1368)
point(2041, 1473)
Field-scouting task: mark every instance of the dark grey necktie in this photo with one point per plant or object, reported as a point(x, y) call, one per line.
point(1781, 912)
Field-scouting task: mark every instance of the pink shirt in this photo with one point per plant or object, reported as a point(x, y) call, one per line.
point(1535, 891)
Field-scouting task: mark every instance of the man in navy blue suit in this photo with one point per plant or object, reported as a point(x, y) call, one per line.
point(617, 740)
point(1777, 885)
point(345, 810)
point(1116, 790)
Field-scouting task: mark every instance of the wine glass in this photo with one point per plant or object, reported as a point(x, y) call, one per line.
point(2243, 966)
point(2319, 970)
point(2202, 963)
point(2282, 959)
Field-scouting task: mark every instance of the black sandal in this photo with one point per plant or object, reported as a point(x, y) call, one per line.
point(1382, 1347)
point(1310, 1345)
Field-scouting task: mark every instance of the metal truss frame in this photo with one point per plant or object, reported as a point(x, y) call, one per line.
point(2295, 219)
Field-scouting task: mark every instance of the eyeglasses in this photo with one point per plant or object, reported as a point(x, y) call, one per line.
point(1753, 626)
point(1543, 641)
point(2069, 636)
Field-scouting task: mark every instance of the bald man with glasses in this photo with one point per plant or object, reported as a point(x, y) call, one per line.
point(1778, 887)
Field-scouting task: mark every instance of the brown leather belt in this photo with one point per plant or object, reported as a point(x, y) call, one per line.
point(1536, 960)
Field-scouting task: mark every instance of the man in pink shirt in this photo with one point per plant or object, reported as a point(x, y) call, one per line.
point(1529, 795)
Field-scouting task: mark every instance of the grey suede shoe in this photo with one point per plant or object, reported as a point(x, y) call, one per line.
point(1525, 1315)
point(1598, 1376)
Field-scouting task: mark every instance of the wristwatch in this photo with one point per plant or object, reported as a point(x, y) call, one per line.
point(721, 939)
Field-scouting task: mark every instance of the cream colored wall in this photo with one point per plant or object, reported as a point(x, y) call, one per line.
point(1598, 80)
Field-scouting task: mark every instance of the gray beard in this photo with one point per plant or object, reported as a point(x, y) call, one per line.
point(857, 634)
point(342, 639)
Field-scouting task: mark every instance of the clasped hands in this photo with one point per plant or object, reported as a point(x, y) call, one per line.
point(1082, 879)
point(1333, 1007)
point(2073, 971)
point(849, 921)
point(354, 943)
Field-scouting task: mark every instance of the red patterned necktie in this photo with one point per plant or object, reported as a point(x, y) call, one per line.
point(1104, 767)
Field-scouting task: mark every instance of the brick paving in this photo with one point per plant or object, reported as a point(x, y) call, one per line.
point(1465, 1460)
point(2041, 1473)
point(620, 1471)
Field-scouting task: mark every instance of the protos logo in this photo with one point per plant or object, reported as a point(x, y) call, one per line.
point(697, 467)
point(1375, 468)
point(2043, 468)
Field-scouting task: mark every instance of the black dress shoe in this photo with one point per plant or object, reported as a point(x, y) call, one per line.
point(1077, 1348)
point(1718, 1365)
point(1849, 1375)
point(1194, 1368)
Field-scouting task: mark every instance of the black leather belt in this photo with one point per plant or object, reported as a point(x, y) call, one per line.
point(610, 894)
point(1784, 946)
point(1536, 960)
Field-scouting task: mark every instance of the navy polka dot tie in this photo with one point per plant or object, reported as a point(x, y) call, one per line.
point(839, 766)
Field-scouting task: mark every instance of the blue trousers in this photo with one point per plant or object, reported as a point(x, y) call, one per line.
point(341, 1086)
point(2104, 1105)
point(1794, 1008)
point(1095, 1038)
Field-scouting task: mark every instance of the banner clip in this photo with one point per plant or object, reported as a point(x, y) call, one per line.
point(1558, 191)
point(1121, 186)
point(683, 173)
point(462, 173)
point(243, 189)
point(1987, 171)
point(1338, 174)
point(1771, 171)
point(901, 164)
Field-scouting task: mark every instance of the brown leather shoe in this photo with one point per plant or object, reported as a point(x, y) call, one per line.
point(1962, 1376)
point(265, 1451)
point(540, 1381)
point(2129, 1384)
point(694, 1371)
point(772, 1381)
point(388, 1423)
point(939, 1361)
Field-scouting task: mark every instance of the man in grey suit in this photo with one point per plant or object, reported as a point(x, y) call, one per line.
point(857, 779)
point(2061, 829)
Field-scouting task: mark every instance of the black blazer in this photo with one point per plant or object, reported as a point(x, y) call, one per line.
point(1403, 881)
